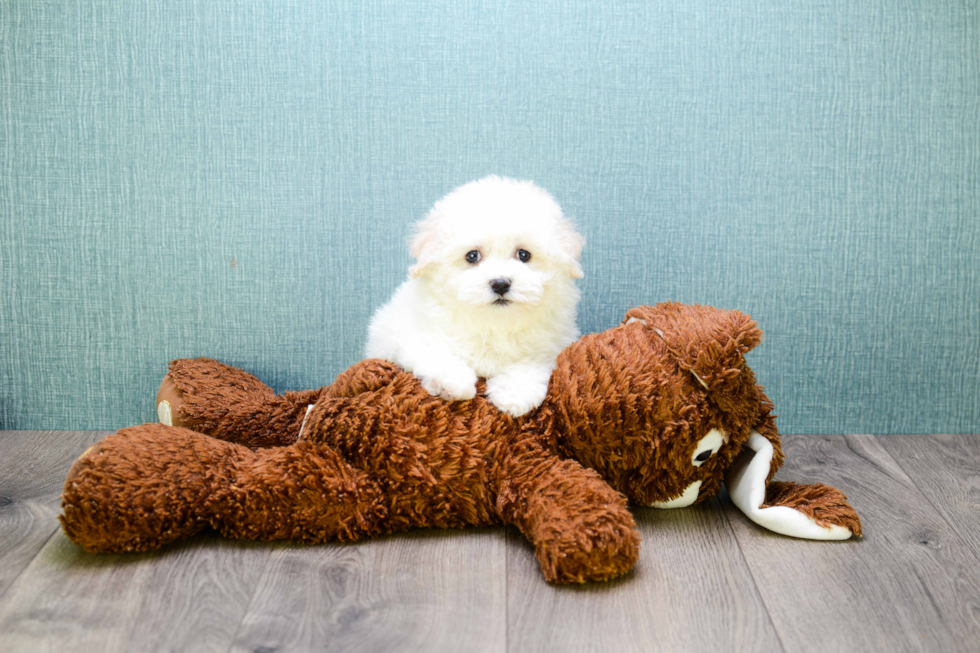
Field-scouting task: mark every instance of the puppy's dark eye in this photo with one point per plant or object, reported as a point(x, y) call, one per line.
point(523, 255)
point(473, 257)
point(703, 456)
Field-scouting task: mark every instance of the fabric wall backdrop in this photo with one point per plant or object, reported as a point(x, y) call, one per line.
point(237, 180)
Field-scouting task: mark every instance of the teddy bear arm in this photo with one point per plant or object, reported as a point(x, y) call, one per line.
point(816, 512)
point(580, 527)
point(366, 376)
point(766, 427)
point(824, 505)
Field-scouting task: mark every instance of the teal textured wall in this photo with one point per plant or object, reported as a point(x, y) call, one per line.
point(237, 179)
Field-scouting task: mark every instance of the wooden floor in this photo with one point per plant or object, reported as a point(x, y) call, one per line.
point(707, 580)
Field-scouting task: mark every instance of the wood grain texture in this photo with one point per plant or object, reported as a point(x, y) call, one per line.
point(910, 584)
point(59, 598)
point(707, 578)
point(946, 468)
point(33, 465)
point(421, 591)
point(190, 597)
point(690, 591)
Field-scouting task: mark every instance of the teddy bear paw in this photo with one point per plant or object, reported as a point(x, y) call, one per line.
point(601, 551)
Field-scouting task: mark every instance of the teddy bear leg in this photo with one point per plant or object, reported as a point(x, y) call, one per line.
point(230, 404)
point(580, 527)
point(147, 486)
point(140, 488)
point(305, 492)
point(194, 388)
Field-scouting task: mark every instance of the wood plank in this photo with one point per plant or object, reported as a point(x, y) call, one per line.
point(419, 591)
point(946, 468)
point(59, 598)
point(188, 597)
point(690, 591)
point(909, 584)
point(33, 465)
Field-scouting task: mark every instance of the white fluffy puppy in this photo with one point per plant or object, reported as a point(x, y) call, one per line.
point(492, 295)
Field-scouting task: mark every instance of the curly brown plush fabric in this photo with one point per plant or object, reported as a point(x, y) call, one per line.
point(624, 411)
point(207, 396)
point(826, 505)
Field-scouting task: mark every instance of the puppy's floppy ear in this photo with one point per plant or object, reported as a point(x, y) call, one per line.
point(570, 242)
point(424, 243)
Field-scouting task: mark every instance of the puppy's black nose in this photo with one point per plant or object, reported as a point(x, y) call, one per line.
point(500, 286)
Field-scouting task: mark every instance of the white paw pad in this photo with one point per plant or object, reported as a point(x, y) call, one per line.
point(163, 413)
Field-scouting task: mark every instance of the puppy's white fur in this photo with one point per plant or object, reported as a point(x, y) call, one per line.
point(446, 324)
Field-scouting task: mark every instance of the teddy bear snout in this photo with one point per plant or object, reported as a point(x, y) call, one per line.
point(687, 497)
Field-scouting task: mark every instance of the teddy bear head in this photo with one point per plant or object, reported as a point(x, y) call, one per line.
point(662, 405)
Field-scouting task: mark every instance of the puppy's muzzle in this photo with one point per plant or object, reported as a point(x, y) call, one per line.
point(500, 286)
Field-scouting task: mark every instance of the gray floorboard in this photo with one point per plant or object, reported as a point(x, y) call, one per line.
point(946, 468)
point(33, 465)
point(707, 578)
point(690, 591)
point(190, 597)
point(910, 584)
point(426, 591)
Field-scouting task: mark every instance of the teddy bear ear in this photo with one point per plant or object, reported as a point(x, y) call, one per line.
point(680, 321)
point(707, 341)
point(813, 512)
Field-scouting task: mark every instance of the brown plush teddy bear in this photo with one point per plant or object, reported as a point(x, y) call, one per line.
point(658, 411)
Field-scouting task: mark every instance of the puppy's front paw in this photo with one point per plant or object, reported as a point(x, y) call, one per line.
point(515, 394)
point(451, 384)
